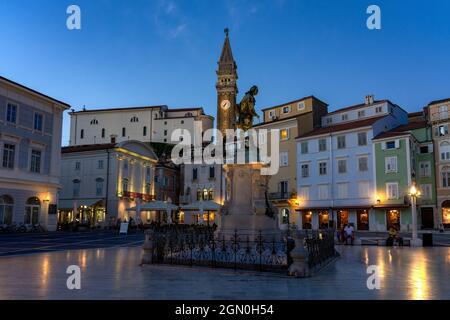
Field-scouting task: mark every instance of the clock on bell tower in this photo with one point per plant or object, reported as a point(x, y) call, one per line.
point(226, 87)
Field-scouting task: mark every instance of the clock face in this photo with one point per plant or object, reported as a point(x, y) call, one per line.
point(225, 104)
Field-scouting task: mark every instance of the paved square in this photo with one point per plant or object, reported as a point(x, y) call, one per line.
point(114, 273)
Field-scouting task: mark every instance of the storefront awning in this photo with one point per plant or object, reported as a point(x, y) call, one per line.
point(71, 203)
point(202, 205)
point(156, 206)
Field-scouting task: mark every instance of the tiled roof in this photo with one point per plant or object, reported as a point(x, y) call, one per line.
point(294, 101)
point(361, 105)
point(439, 101)
point(88, 147)
point(119, 109)
point(342, 127)
point(34, 91)
point(401, 130)
point(280, 119)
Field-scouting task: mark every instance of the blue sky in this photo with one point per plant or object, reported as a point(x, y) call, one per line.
point(132, 53)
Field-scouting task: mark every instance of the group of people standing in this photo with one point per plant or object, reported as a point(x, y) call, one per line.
point(346, 234)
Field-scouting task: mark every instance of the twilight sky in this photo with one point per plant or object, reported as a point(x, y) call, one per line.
point(133, 53)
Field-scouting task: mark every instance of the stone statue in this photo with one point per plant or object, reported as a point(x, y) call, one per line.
point(245, 110)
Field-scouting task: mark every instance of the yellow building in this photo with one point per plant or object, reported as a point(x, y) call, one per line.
point(292, 119)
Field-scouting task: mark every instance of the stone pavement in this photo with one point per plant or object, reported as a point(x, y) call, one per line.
point(113, 273)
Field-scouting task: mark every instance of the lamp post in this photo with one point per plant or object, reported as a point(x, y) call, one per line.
point(414, 193)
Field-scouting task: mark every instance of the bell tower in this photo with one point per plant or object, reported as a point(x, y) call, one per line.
point(226, 87)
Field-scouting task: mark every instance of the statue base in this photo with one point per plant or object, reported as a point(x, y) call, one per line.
point(245, 209)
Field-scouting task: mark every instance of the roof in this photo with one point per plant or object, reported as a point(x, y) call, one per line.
point(185, 109)
point(35, 92)
point(119, 109)
point(294, 101)
point(439, 101)
point(402, 130)
point(226, 56)
point(360, 105)
point(342, 127)
point(90, 147)
point(415, 114)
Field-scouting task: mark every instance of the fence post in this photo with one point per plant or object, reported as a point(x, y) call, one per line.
point(148, 247)
point(299, 267)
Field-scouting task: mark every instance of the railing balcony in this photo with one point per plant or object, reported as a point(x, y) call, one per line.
point(284, 195)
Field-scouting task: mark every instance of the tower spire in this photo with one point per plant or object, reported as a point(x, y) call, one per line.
point(226, 61)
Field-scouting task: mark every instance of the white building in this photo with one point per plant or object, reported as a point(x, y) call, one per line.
point(30, 140)
point(100, 182)
point(146, 124)
point(335, 164)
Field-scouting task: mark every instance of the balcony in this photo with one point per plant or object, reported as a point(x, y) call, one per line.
point(283, 195)
point(136, 195)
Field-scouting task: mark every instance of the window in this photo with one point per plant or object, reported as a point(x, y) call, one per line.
point(425, 169)
point(205, 194)
point(390, 164)
point(304, 193)
point(148, 188)
point(342, 190)
point(442, 130)
point(6, 210)
point(272, 114)
point(77, 165)
point(304, 147)
point(182, 121)
point(392, 190)
point(76, 188)
point(446, 179)
point(165, 123)
point(134, 119)
point(94, 121)
point(445, 152)
point(125, 167)
point(322, 144)
point(38, 120)
point(212, 172)
point(284, 159)
point(262, 136)
point(103, 133)
point(286, 109)
point(144, 131)
point(424, 149)
point(210, 194)
point(363, 189)
point(11, 113)
point(427, 191)
point(124, 132)
point(322, 168)
point(391, 145)
point(100, 164)
point(305, 170)
point(342, 166)
point(165, 132)
point(35, 161)
point(285, 216)
point(194, 174)
point(341, 142)
point(378, 109)
point(148, 174)
point(283, 189)
point(344, 117)
point(361, 113)
point(9, 151)
point(301, 106)
point(99, 187)
point(82, 134)
point(32, 210)
point(199, 194)
point(323, 192)
point(284, 134)
point(329, 120)
point(362, 139)
point(363, 164)
point(124, 185)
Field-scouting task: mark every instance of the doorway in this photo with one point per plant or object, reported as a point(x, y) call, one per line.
point(393, 219)
point(342, 218)
point(427, 218)
point(362, 217)
point(32, 211)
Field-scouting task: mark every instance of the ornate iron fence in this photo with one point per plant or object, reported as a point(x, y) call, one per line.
point(199, 246)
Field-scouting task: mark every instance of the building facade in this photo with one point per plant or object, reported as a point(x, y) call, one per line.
point(404, 157)
point(30, 140)
point(438, 116)
point(146, 124)
point(335, 165)
point(101, 182)
point(291, 119)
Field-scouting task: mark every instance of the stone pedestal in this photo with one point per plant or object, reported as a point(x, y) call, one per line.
point(245, 204)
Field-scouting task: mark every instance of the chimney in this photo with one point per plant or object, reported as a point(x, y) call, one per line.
point(369, 99)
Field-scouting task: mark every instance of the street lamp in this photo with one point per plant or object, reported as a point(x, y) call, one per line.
point(414, 193)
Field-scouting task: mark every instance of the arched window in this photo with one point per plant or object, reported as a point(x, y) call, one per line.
point(76, 188)
point(94, 121)
point(199, 194)
point(211, 194)
point(285, 215)
point(32, 211)
point(205, 194)
point(134, 119)
point(103, 133)
point(144, 131)
point(82, 134)
point(6, 209)
point(124, 132)
point(99, 187)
